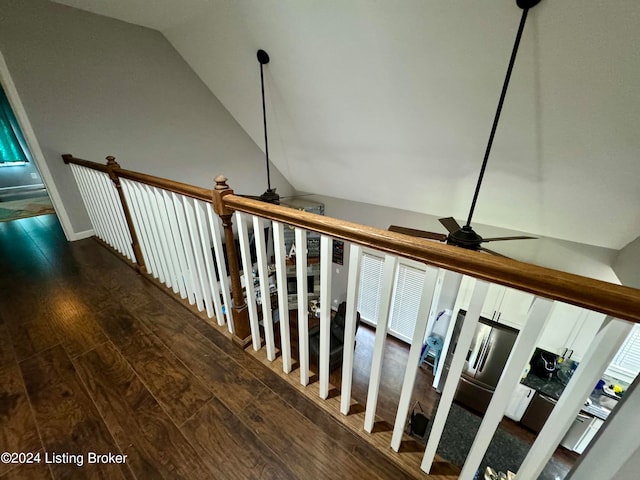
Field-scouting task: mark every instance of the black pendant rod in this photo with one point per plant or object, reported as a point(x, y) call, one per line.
point(263, 58)
point(496, 119)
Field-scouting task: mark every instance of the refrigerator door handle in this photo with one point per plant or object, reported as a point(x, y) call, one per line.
point(489, 390)
point(483, 345)
point(485, 356)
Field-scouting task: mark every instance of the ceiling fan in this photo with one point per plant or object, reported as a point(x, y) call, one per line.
point(465, 236)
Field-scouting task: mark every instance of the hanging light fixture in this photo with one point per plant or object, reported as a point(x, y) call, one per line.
point(270, 195)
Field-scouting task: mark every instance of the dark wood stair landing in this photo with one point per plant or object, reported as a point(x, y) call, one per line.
point(95, 358)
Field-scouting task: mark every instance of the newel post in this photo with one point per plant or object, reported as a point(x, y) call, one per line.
point(135, 244)
point(242, 333)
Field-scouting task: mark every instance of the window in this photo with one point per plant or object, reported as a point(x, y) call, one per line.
point(13, 147)
point(370, 287)
point(626, 363)
point(405, 299)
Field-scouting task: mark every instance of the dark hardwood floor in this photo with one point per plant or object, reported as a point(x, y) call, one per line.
point(95, 358)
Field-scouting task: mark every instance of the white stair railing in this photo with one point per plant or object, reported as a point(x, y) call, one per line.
point(180, 239)
point(105, 211)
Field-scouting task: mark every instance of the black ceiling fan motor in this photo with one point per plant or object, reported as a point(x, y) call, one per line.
point(465, 238)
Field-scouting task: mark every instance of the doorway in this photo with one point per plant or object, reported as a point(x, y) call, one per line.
point(22, 193)
point(43, 186)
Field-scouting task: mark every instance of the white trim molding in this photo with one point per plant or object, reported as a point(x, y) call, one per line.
point(81, 235)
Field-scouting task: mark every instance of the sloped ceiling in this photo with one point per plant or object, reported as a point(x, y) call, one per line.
point(391, 102)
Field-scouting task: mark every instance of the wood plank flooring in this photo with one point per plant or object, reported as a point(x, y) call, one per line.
point(94, 358)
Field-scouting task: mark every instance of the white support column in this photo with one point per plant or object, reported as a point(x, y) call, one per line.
point(325, 313)
point(303, 303)
point(176, 242)
point(162, 226)
point(111, 210)
point(451, 280)
point(426, 299)
point(455, 370)
point(602, 350)
point(247, 268)
point(205, 240)
point(88, 200)
point(197, 255)
point(137, 222)
point(216, 233)
point(283, 297)
point(382, 322)
point(145, 195)
point(158, 226)
point(166, 217)
point(265, 294)
point(96, 186)
point(136, 195)
point(191, 280)
point(120, 224)
point(353, 287)
point(520, 354)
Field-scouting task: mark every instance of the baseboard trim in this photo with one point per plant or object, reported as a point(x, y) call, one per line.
point(82, 235)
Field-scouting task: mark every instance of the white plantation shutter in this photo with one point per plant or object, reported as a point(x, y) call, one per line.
point(370, 286)
point(626, 363)
point(405, 301)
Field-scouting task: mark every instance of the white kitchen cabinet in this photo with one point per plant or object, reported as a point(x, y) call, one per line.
point(519, 402)
point(492, 301)
point(570, 330)
point(513, 308)
point(502, 304)
point(593, 428)
point(560, 327)
point(585, 331)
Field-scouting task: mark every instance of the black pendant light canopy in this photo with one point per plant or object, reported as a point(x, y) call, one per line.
point(465, 236)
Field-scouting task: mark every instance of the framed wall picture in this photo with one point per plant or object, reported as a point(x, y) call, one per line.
point(338, 252)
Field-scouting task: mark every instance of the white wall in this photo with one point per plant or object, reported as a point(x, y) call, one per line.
point(93, 86)
point(627, 264)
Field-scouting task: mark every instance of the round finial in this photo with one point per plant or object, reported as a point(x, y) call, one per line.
point(111, 161)
point(221, 182)
point(263, 57)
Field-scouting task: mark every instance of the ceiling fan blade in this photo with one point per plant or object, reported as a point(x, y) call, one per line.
point(499, 239)
point(253, 197)
point(418, 233)
point(492, 252)
point(450, 224)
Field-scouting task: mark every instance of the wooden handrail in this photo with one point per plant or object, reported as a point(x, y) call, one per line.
point(68, 158)
point(615, 300)
point(170, 185)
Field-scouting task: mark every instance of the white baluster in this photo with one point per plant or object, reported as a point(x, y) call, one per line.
point(353, 286)
point(414, 356)
point(455, 370)
point(245, 253)
point(382, 323)
point(283, 297)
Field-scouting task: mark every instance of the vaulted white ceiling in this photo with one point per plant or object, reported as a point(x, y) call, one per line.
point(391, 102)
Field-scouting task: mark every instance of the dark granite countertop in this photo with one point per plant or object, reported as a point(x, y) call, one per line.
point(551, 387)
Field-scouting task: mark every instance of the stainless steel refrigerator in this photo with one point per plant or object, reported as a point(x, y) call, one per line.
point(487, 356)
